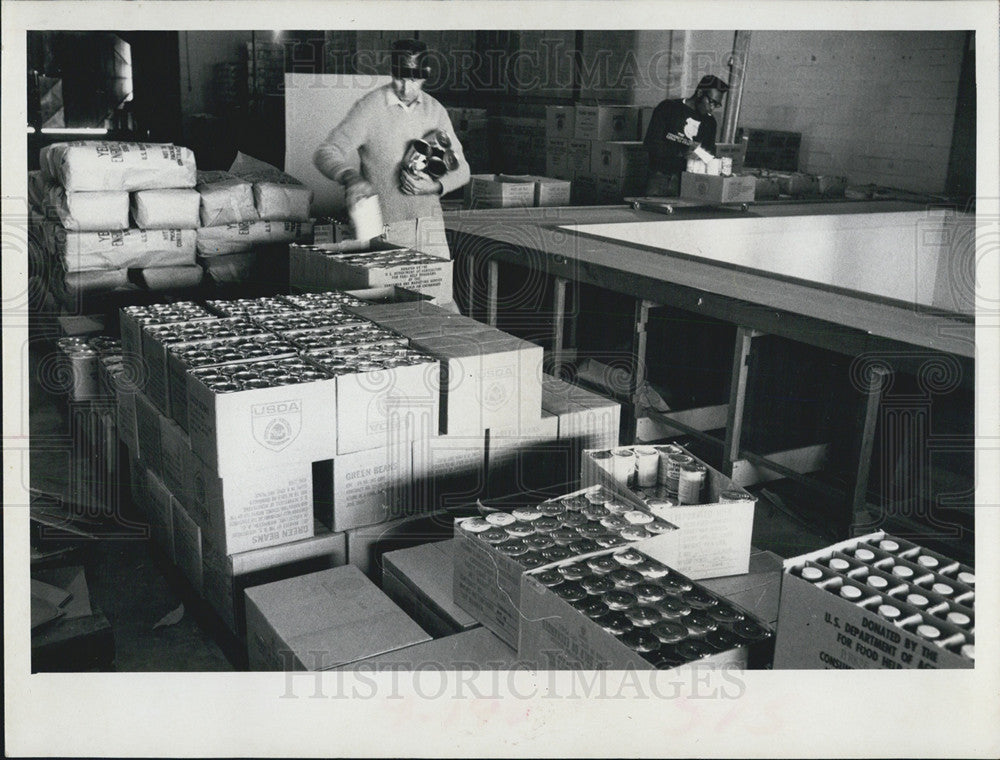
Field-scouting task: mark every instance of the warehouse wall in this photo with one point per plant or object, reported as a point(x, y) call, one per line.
point(876, 106)
point(199, 52)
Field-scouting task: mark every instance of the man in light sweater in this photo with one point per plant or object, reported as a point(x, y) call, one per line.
point(378, 131)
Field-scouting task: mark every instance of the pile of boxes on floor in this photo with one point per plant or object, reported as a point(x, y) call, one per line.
point(113, 216)
point(267, 432)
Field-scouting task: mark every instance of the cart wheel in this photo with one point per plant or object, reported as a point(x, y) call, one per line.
point(670, 209)
point(744, 207)
point(635, 205)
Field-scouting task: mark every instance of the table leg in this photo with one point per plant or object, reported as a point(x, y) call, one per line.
point(470, 293)
point(639, 338)
point(492, 284)
point(737, 397)
point(558, 323)
point(866, 446)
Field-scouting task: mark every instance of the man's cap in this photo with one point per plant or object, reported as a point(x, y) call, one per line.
point(712, 82)
point(409, 60)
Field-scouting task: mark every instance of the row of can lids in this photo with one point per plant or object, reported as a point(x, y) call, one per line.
point(99, 345)
point(185, 311)
point(650, 608)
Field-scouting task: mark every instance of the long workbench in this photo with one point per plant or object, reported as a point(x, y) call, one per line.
point(908, 307)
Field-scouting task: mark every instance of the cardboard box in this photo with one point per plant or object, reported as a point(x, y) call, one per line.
point(555, 635)
point(364, 487)
point(560, 121)
point(584, 189)
point(187, 545)
point(817, 628)
point(714, 537)
point(557, 158)
point(526, 458)
point(225, 578)
point(475, 650)
point(157, 340)
point(147, 427)
point(757, 590)
point(327, 268)
point(176, 459)
point(499, 191)
point(587, 419)
point(606, 123)
point(160, 512)
point(713, 189)
point(367, 546)
point(237, 433)
point(487, 379)
point(254, 509)
point(618, 159)
point(488, 582)
point(323, 620)
point(131, 322)
point(125, 403)
point(550, 191)
point(177, 370)
point(420, 580)
point(448, 471)
point(578, 157)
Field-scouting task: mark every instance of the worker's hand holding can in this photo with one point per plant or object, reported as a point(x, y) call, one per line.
point(356, 188)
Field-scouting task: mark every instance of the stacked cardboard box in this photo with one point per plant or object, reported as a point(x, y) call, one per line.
point(515, 191)
point(625, 609)
point(621, 169)
point(519, 144)
point(876, 601)
point(472, 129)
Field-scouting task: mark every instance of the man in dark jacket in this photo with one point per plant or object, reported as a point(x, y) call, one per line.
point(676, 128)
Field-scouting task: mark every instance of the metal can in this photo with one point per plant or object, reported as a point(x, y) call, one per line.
point(622, 465)
point(647, 462)
point(671, 478)
point(574, 572)
point(691, 481)
point(643, 617)
point(619, 600)
point(726, 166)
point(624, 578)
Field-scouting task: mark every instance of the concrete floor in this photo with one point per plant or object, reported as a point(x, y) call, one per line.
point(133, 584)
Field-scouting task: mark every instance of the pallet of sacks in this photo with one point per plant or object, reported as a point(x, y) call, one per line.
point(247, 217)
point(117, 216)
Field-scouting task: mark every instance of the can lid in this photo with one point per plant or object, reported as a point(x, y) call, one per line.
point(865, 555)
point(969, 650)
point(928, 631)
point(969, 579)
point(928, 561)
point(850, 592)
point(645, 451)
point(888, 545)
point(943, 589)
point(917, 600)
point(635, 517)
point(877, 581)
point(902, 571)
point(958, 618)
point(888, 611)
point(500, 518)
point(839, 564)
point(812, 573)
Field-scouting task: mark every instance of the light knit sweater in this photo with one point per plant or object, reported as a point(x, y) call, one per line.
point(378, 129)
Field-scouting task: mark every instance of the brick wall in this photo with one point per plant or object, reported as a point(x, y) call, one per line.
point(877, 107)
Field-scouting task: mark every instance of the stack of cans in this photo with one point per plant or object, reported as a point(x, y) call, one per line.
point(227, 327)
point(333, 298)
point(565, 527)
point(361, 337)
point(228, 350)
point(308, 320)
point(349, 360)
point(908, 586)
point(165, 313)
point(251, 306)
point(269, 373)
point(387, 259)
point(77, 368)
point(652, 609)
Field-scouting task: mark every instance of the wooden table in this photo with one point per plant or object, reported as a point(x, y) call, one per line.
point(885, 334)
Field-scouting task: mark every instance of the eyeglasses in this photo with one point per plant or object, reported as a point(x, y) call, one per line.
point(713, 102)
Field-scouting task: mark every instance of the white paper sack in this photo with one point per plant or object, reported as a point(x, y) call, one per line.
point(89, 165)
point(171, 278)
point(125, 249)
point(236, 238)
point(166, 209)
point(226, 201)
point(103, 281)
point(282, 202)
point(39, 186)
point(234, 268)
point(90, 211)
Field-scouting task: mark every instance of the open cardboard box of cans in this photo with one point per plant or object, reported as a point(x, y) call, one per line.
point(343, 266)
point(493, 552)
point(876, 601)
point(713, 515)
point(623, 609)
